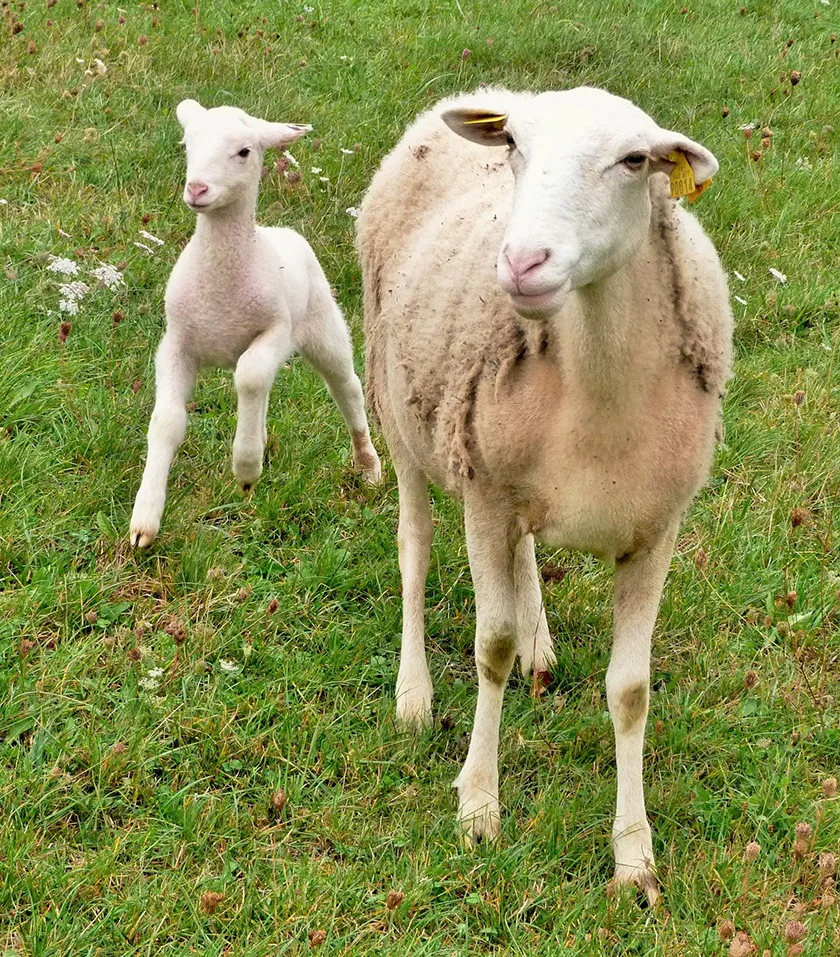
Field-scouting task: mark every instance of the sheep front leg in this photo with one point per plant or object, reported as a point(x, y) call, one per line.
point(326, 346)
point(491, 543)
point(534, 641)
point(414, 684)
point(255, 373)
point(175, 375)
point(639, 579)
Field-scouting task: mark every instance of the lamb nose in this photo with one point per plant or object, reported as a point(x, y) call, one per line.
point(196, 189)
point(523, 263)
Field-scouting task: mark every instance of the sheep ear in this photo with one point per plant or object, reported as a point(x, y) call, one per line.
point(280, 135)
point(189, 110)
point(485, 127)
point(689, 164)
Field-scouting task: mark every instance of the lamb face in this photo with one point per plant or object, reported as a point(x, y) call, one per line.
point(225, 148)
point(581, 160)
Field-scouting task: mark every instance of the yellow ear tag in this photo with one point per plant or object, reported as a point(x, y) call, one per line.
point(682, 176)
point(496, 121)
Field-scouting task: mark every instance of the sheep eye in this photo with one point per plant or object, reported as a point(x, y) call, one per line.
point(634, 160)
point(244, 151)
point(511, 142)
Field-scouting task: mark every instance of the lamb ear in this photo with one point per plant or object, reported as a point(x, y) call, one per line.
point(189, 110)
point(280, 135)
point(485, 127)
point(702, 162)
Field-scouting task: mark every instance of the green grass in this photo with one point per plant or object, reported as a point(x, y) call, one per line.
point(123, 806)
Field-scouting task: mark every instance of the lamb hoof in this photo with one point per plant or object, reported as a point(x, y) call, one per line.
point(478, 808)
point(145, 520)
point(634, 862)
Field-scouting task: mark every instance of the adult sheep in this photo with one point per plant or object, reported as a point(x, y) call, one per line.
point(548, 338)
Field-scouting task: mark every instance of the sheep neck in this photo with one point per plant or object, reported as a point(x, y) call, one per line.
point(224, 238)
point(614, 342)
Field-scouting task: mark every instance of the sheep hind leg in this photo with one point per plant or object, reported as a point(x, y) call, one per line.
point(491, 543)
point(533, 639)
point(326, 345)
point(414, 684)
point(639, 580)
point(175, 375)
point(255, 373)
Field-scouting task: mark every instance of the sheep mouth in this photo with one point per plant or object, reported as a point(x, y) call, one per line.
point(541, 305)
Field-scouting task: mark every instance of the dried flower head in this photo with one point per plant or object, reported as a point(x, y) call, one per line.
point(827, 864)
point(742, 945)
point(278, 800)
point(794, 931)
point(726, 930)
point(394, 899)
point(795, 77)
point(750, 679)
point(803, 831)
point(829, 788)
point(210, 901)
point(799, 516)
point(751, 851)
point(64, 331)
point(317, 937)
point(701, 558)
point(272, 606)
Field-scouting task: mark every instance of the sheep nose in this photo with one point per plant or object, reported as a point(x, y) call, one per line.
point(525, 263)
point(195, 190)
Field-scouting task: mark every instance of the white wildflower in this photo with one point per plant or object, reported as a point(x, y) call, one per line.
point(144, 246)
point(290, 158)
point(108, 275)
point(156, 672)
point(4, 202)
point(65, 266)
point(315, 169)
point(739, 299)
point(62, 233)
point(309, 9)
point(346, 59)
point(747, 126)
point(148, 684)
point(353, 211)
point(229, 667)
point(80, 61)
point(738, 276)
point(782, 278)
point(69, 306)
point(803, 163)
point(151, 238)
point(74, 290)
point(98, 68)
point(346, 152)
point(324, 179)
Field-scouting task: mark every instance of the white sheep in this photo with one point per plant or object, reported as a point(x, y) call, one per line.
point(548, 337)
point(241, 296)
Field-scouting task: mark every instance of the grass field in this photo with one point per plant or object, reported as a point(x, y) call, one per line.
point(152, 705)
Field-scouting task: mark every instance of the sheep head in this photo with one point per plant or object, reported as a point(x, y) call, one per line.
point(225, 148)
point(581, 161)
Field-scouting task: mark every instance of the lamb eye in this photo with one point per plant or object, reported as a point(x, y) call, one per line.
point(244, 151)
point(634, 160)
point(511, 142)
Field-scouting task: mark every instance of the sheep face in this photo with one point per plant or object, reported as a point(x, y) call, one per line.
point(581, 160)
point(225, 148)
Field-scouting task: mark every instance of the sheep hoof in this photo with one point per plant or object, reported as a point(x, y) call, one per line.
point(365, 459)
point(634, 863)
point(640, 879)
point(247, 472)
point(539, 660)
point(478, 815)
point(414, 700)
point(141, 538)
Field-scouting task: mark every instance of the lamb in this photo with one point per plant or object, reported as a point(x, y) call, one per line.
point(548, 337)
point(241, 296)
